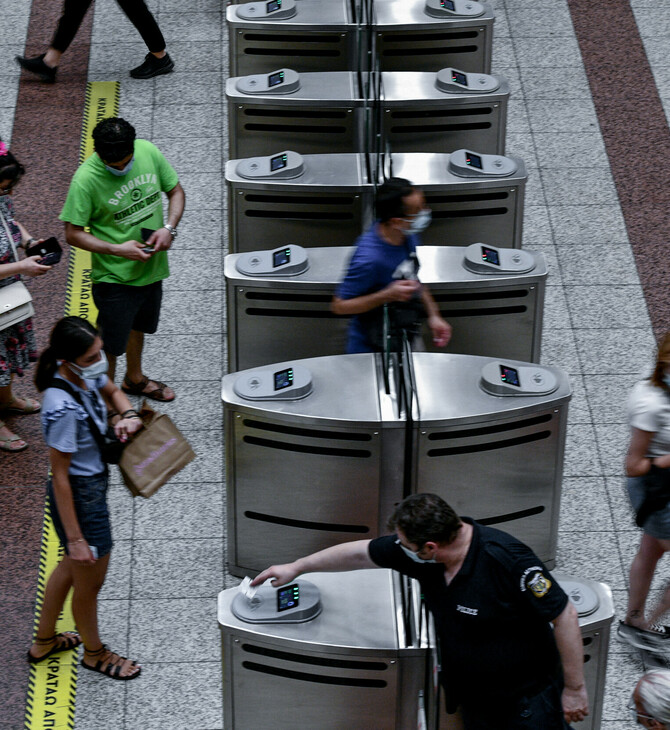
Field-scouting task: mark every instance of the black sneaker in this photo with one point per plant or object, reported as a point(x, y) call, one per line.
point(37, 66)
point(152, 66)
point(654, 639)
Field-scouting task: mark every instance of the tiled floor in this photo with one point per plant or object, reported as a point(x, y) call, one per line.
point(169, 560)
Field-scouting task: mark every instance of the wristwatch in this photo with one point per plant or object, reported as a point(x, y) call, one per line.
point(172, 229)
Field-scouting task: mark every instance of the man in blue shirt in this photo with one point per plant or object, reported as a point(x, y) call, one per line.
point(383, 269)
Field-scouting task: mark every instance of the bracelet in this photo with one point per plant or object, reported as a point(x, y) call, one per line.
point(31, 241)
point(81, 539)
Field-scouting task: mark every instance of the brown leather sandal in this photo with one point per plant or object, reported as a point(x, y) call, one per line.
point(64, 642)
point(157, 393)
point(112, 663)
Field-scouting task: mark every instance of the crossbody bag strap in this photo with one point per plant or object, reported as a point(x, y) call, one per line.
point(9, 236)
point(95, 430)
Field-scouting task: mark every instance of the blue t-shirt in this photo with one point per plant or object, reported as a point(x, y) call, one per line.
point(371, 269)
point(65, 424)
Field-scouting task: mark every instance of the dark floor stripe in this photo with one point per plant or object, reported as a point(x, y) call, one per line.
point(637, 138)
point(47, 130)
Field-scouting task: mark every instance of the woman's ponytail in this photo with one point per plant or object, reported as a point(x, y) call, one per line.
point(70, 338)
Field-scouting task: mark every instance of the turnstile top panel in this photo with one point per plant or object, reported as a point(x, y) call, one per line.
point(430, 170)
point(358, 616)
point(411, 15)
point(440, 267)
point(345, 392)
point(319, 89)
point(449, 394)
point(337, 172)
point(407, 88)
point(604, 614)
point(319, 15)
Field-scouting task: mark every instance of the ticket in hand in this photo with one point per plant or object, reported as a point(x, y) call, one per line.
point(246, 589)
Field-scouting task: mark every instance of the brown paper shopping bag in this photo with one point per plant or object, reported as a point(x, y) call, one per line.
point(155, 454)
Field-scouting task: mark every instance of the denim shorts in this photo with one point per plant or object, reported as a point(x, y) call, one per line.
point(658, 523)
point(90, 503)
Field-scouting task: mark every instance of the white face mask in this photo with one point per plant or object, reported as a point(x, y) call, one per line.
point(92, 371)
point(126, 169)
point(419, 222)
point(412, 555)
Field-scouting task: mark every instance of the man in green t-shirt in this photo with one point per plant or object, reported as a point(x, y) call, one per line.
point(117, 194)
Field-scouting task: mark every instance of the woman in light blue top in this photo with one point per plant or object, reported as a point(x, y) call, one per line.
point(77, 489)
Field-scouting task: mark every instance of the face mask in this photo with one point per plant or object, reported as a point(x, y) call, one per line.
point(412, 555)
point(92, 371)
point(419, 222)
point(126, 169)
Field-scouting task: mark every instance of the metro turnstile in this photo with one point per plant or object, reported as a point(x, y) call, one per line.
point(274, 318)
point(325, 114)
point(329, 204)
point(352, 666)
point(497, 459)
point(417, 114)
point(321, 36)
point(466, 209)
point(407, 38)
point(309, 473)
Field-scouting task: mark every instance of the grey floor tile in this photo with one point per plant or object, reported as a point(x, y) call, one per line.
point(202, 55)
point(536, 226)
point(531, 21)
point(189, 694)
point(176, 318)
point(200, 228)
point(607, 397)
point(575, 185)
point(113, 625)
point(99, 699)
point(194, 270)
point(141, 117)
point(200, 508)
point(567, 150)
point(594, 307)
point(7, 63)
point(521, 144)
point(600, 263)
point(609, 351)
point(612, 439)
point(9, 91)
point(554, 276)
point(191, 88)
point(503, 55)
point(517, 117)
point(559, 349)
point(546, 51)
point(174, 356)
point(203, 190)
point(657, 51)
point(117, 582)
point(652, 22)
point(622, 675)
point(177, 568)
point(556, 315)
point(192, 26)
point(579, 410)
point(120, 503)
point(190, 622)
point(581, 456)
point(662, 79)
point(561, 115)
point(6, 124)
point(180, 120)
point(113, 61)
point(591, 555)
point(177, 6)
point(535, 194)
point(622, 511)
point(584, 505)
point(208, 466)
point(587, 224)
point(192, 154)
point(564, 82)
point(134, 92)
point(512, 74)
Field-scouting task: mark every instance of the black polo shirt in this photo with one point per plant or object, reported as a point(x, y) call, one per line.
point(492, 620)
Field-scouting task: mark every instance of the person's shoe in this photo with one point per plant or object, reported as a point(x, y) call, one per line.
point(655, 639)
point(152, 66)
point(37, 66)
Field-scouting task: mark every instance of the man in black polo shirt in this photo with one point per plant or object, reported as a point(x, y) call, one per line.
point(492, 600)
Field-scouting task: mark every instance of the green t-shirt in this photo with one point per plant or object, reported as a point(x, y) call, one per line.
point(116, 207)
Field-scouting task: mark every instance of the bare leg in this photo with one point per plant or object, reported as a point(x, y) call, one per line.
point(58, 586)
point(134, 356)
point(52, 57)
point(5, 433)
point(87, 581)
point(641, 573)
point(111, 370)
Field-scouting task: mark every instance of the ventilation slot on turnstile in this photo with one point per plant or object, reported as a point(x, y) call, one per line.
point(444, 125)
point(316, 661)
point(511, 516)
point(318, 678)
point(304, 449)
point(424, 128)
point(490, 312)
point(412, 43)
point(485, 430)
point(306, 524)
point(475, 448)
point(299, 199)
point(308, 432)
point(465, 198)
point(310, 207)
point(494, 308)
point(311, 313)
point(276, 45)
point(296, 116)
point(481, 296)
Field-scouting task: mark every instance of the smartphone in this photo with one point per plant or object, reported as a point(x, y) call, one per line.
point(146, 233)
point(49, 251)
point(93, 550)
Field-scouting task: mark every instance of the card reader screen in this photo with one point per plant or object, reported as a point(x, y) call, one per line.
point(458, 78)
point(275, 79)
point(283, 379)
point(273, 5)
point(448, 4)
point(490, 256)
point(473, 160)
point(278, 162)
point(509, 376)
point(279, 258)
point(288, 597)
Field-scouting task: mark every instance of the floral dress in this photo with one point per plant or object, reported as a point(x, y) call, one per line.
point(17, 343)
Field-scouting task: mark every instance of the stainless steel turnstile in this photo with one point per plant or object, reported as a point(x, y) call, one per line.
point(488, 207)
point(408, 38)
point(310, 113)
point(308, 473)
point(328, 204)
point(320, 35)
point(360, 664)
point(444, 111)
point(471, 445)
point(273, 317)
